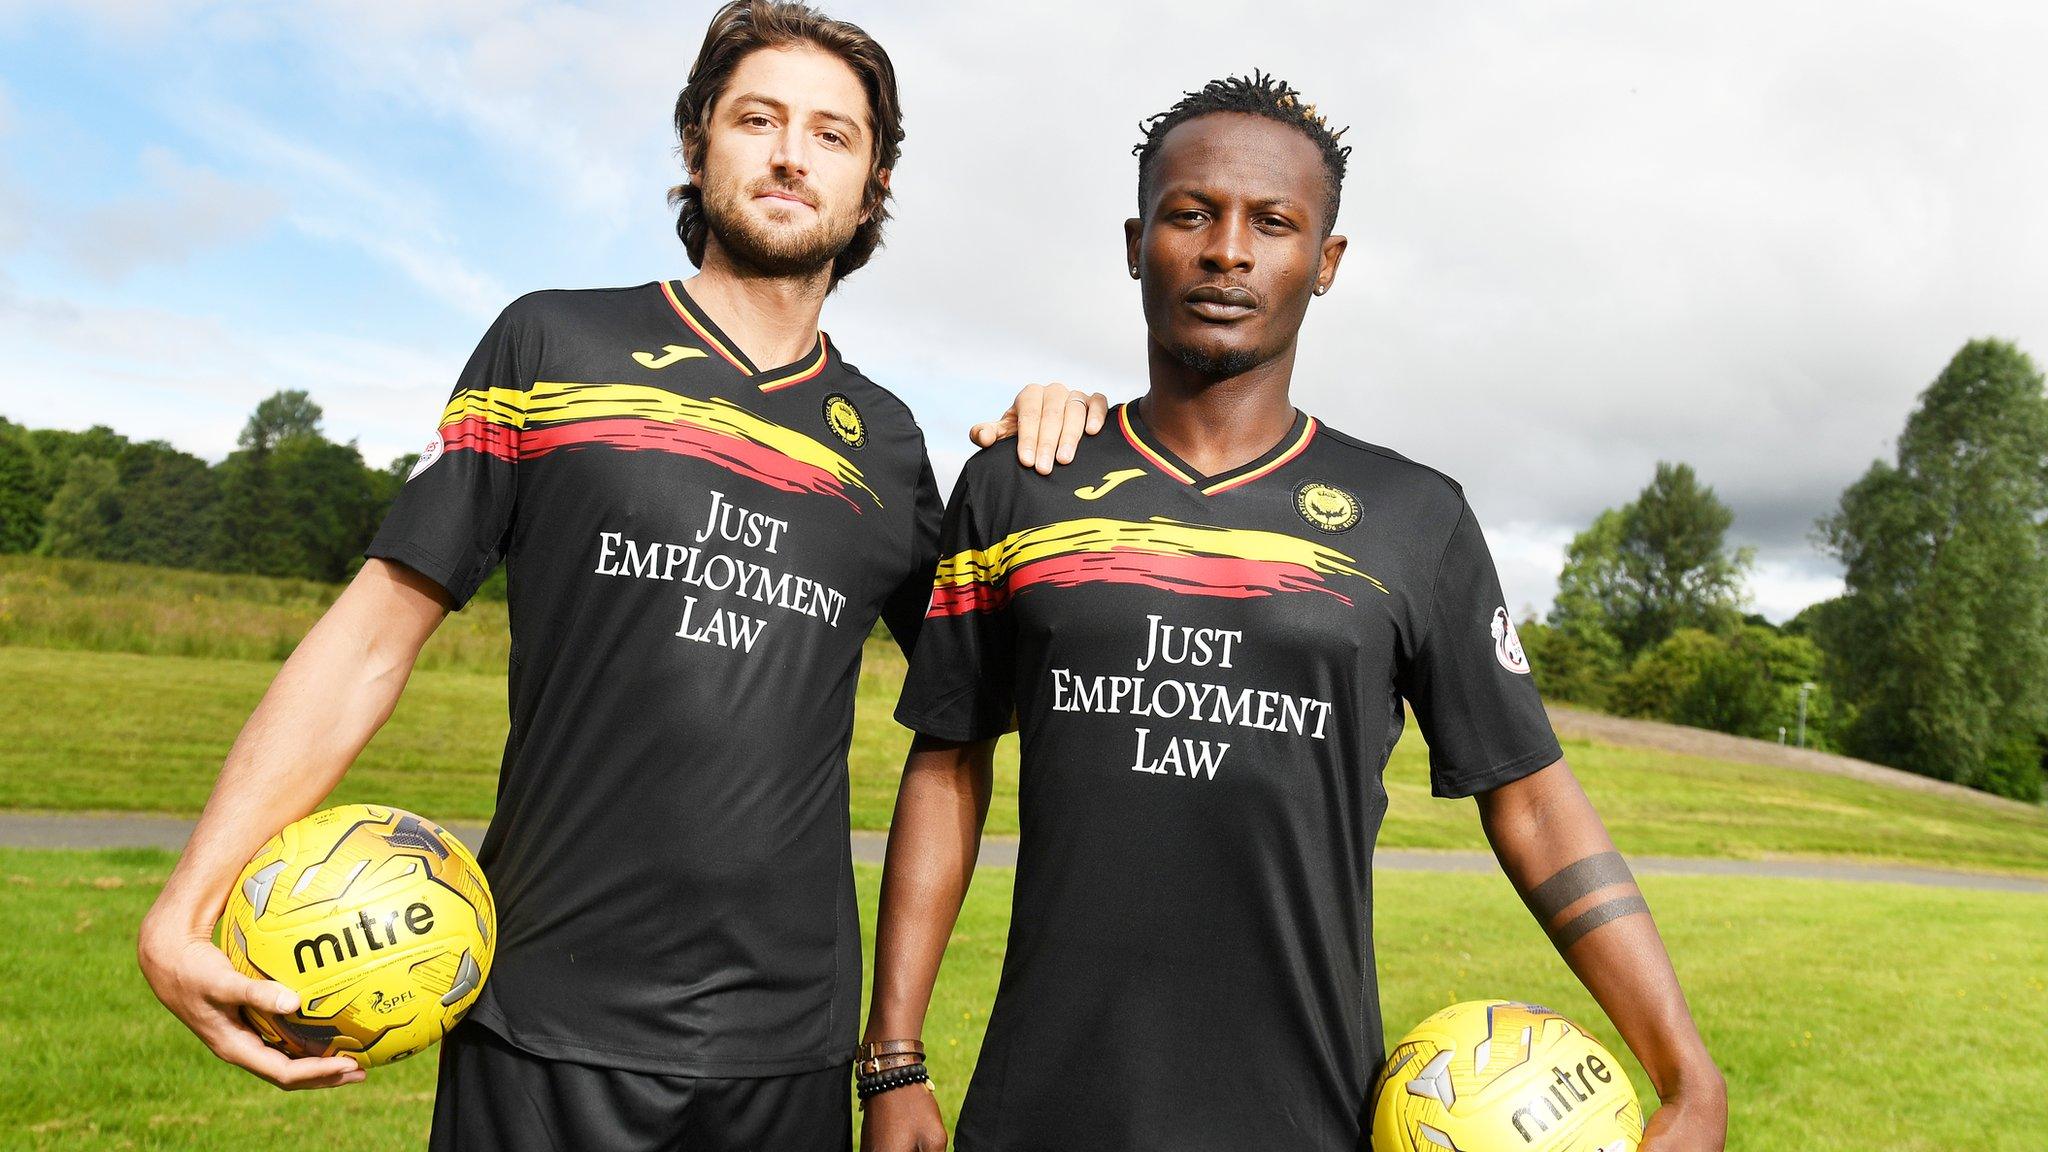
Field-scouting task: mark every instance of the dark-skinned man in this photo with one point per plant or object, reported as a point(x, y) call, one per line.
point(1206, 644)
point(702, 509)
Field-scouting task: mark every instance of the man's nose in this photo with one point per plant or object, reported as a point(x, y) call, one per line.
point(1227, 246)
point(792, 154)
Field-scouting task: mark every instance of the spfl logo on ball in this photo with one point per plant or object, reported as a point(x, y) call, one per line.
point(428, 455)
point(1507, 647)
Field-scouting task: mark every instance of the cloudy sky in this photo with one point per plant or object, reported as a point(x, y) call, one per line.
point(1585, 237)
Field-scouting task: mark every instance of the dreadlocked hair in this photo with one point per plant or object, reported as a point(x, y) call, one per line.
point(1259, 94)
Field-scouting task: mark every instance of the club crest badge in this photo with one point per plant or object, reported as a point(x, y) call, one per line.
point(1507, 647)
point(844, 421)
point(428, 455)
point(1326, 507)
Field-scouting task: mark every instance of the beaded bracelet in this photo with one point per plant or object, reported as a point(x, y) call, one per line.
point(880, 1082)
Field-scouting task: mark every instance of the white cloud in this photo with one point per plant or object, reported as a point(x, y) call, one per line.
point(1584, 239)
point(186, 209)
point(391, 218)
point(156, 373)
point(1779, 589)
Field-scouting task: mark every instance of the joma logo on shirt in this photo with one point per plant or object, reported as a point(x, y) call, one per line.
point(670, 354)
point(1109, 482)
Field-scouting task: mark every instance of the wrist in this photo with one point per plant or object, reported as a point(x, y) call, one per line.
point(163, 931)
point(1698, 1079)
point(868, 1085)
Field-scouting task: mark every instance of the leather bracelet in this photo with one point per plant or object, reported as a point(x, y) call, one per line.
point(867, 1059)
point(882, 1064)
point(870, 1086)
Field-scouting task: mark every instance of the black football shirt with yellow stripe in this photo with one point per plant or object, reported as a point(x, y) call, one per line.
point(695, 552)
point(1207, 673)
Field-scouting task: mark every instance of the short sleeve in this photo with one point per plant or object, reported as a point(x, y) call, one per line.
point(453, 514)
point(904, 610)
point(1468, 681)
point(962, 678)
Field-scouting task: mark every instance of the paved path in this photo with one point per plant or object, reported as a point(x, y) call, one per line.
point(114, 830)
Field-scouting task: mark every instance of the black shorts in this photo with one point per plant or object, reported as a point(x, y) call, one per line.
point(496, 1098)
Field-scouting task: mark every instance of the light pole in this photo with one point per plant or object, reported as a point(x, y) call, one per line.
point(1803, 690)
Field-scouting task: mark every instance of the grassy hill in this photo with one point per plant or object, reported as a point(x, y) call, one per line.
point(92, 606)
point(130, 684)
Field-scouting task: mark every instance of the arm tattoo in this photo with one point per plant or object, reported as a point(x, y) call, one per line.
point(1575, 881)
point(1595, 916)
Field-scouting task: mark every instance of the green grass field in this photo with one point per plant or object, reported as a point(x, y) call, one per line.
point(93, 606)
point(96, 730)
point(1845, 1017)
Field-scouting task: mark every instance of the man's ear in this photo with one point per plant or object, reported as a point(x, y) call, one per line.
point(1134, 235)
point(693, 154)
point(1333, 254)
point(881, 176)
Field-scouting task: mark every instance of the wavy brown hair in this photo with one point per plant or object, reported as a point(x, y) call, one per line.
point(746, 26)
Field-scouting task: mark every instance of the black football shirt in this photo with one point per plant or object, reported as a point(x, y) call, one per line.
point(1207, 674)
point(695, 551)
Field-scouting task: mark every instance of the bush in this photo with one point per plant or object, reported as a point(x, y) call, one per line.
point(1573, 665)
point(1746, 683)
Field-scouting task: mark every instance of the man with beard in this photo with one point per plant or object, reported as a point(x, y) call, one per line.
point(1205, 646)
point(703, 509)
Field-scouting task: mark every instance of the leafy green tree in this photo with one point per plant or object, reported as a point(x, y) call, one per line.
point(272, 518)
point(280, 417)
point(330, 500)
point(54, 448)
point(252, 530)
point(1573, 665)
point(79, 522)
point(165, 507)
point(1660, 563)
point(21, 498)
point(1941, 642)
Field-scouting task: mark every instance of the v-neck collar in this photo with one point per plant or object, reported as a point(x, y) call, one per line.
point(705, 329)
point(1148, 446)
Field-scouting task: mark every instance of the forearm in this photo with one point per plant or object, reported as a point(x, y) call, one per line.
point(1553, 846)
point(329, 699)
point(933, 841)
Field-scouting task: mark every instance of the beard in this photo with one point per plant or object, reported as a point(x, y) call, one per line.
point(775, 251)
point(1218, 365)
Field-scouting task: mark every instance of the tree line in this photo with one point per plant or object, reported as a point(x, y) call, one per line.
point(1935, 657)
point(287, 502)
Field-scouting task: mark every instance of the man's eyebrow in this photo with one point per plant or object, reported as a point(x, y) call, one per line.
point(759, 98)
point(1210, 199)
point(1287, 202)
point(852, 126)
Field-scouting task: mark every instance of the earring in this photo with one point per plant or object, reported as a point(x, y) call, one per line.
point(1322, 288)
point(1134, 271)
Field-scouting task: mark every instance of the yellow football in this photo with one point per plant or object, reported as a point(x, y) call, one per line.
point(379, 920)
point(1503, 1076)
